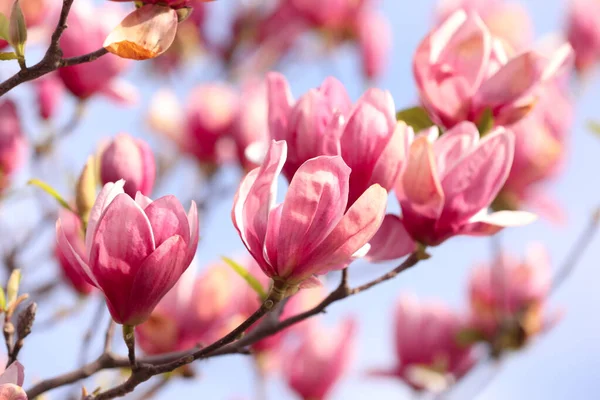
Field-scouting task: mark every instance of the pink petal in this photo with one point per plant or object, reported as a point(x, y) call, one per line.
point(315, 202)
point(280, 104)
point(105, 197)
point(454, 145)
point(145, 33)
point(14, 374)
point(420, 185)
point(271, 248)
point(393, 158)
point(71, 254)
point(474, 182)
point(310, 283)
point(121, 91)
point(255, 199)
point(489, 224)
point(168, 218)
point(193, 223)
point(9, 391)
point(142, 200)
point(391, 241)
point(355, 229)
point(156, 276)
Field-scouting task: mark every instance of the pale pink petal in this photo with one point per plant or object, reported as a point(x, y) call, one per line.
point(474, 182)
point(280, 104)
point(71, 254)
point(142, 200)
point(145, 33)
point(315, 202)
point(121, 91)
point(393, 158)
point(545, 205)
point(271, 248)
point(14, 374)
point(441, 36)
point(156, 276)
point(558, 61)
point(168, 218)
point(391, 241)
point(105, 197)
point(311, 283)
point(420, 185)
point(193, 223)
point(453, 145)
point(356, 228)
point(489, 224)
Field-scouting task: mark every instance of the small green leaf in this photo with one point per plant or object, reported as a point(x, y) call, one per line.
point(12, 288)
point(52, 192)
point(8, 56)
point(17, 29)
point(4, 27)
point(486, 122)
point(594, 127)
point(2, 300)
point(247, 276)
point(417, 117)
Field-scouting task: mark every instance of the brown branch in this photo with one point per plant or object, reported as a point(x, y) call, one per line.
point(155, 365)
point(53, 59)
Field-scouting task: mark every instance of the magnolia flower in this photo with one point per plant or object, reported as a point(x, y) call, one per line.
point(136, 250)
point(312, 232)
point(428, 355)
point(318, 362)
point(446, 189)
point(324, 122)
point(583, 32)
point(130, 159)
point(11, 381)
point(13, 144)
point(50, 93)
point(483, 77)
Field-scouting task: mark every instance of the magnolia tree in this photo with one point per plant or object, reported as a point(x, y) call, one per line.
point(330, 195)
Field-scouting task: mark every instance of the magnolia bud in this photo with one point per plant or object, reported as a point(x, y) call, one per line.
point(25, 321)
point(85, 192)
point(184, 13)
point(17, 30)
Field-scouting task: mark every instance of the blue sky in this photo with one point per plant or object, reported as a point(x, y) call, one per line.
point(562, 364)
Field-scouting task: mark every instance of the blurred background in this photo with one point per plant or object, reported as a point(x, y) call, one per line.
point(562, 363)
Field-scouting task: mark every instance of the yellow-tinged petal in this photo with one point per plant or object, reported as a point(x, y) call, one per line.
point(145, 33)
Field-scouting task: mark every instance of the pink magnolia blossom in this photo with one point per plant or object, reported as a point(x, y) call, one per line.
point(324, 122)
point(540, 150)
point(11, 382)
point(136, 250)
point(446, 188)
point(511, 289)
point(13, 144)
point(583, 32)
point(50, 93)
point(375, 41)
point(130, 159)
point(200, 308)
point(311, 232)
point(483, 77)
point(88, 27)
point(428, 355)
point(319, 361)
point(508, 20)
point(71, 225)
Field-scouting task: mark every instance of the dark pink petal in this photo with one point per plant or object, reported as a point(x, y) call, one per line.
point(391, 241)
point(71, 254)
point(168, 218)
point(315, 202)
point(105, 197)
point(453, 145)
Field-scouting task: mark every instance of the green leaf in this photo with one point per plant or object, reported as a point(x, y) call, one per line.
point(486, 122)
point(2, 300)
point(12, 288)
point(247, 276)
point(17, 29)
point(52, 192)
point(594, 127)
point(417, 117)
point(4, 27)
point(8, 56)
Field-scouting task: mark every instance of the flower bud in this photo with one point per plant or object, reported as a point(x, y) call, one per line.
point(85, 192)
point(17, 30)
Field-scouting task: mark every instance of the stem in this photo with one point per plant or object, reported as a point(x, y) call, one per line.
point(129, 337)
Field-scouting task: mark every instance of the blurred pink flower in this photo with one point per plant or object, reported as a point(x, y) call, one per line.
point(375, 40)
point(509, 21)
point(49, 90)
point(446, 189)
point(512, 290)
point(136, 250)
point(483, 77)
point(324, 122)
point(71, 225)
point(583, 32)
point(130, 159)
point(428, 356)
point(88, 27)
point(13, 144)
point(540, 149)
point(11, 381)
point(311, 232)
point(319, 361)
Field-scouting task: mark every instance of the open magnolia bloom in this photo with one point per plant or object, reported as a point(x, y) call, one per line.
point(148, 31)
point(446, 189)
point(136, 250)
point(310, 233)
point(11, 381)
point(462, 71)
